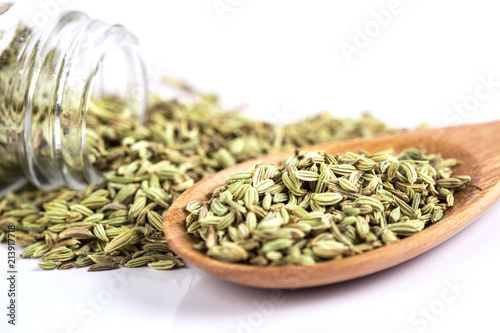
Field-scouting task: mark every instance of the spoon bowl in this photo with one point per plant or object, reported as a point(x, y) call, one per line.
point(475, 146)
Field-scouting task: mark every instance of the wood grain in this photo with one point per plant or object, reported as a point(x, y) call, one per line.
point(476, 146)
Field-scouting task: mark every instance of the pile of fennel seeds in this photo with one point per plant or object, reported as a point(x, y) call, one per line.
point(316, 206)
point(119, 222)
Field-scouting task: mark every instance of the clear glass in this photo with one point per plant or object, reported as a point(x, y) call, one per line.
point(47, 77)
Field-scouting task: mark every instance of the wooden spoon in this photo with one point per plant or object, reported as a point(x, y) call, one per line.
point(476, 146)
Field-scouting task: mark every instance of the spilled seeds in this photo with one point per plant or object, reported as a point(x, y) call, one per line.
point(119, 222)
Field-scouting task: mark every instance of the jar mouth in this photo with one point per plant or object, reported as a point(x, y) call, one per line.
point(72, 63)
point(120, 72)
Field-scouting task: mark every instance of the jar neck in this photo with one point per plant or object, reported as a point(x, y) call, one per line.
point(57, 73)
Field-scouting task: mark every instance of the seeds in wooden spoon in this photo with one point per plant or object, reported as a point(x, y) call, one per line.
point(316, 206)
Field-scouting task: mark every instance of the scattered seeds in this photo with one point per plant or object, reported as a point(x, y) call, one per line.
point(148, 166)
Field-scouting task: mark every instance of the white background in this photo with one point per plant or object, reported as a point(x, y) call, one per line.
point(427, 62)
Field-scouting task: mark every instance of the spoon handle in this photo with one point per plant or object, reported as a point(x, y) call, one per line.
point(480, 146)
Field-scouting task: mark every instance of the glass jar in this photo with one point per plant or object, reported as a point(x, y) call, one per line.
point(47, 76)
